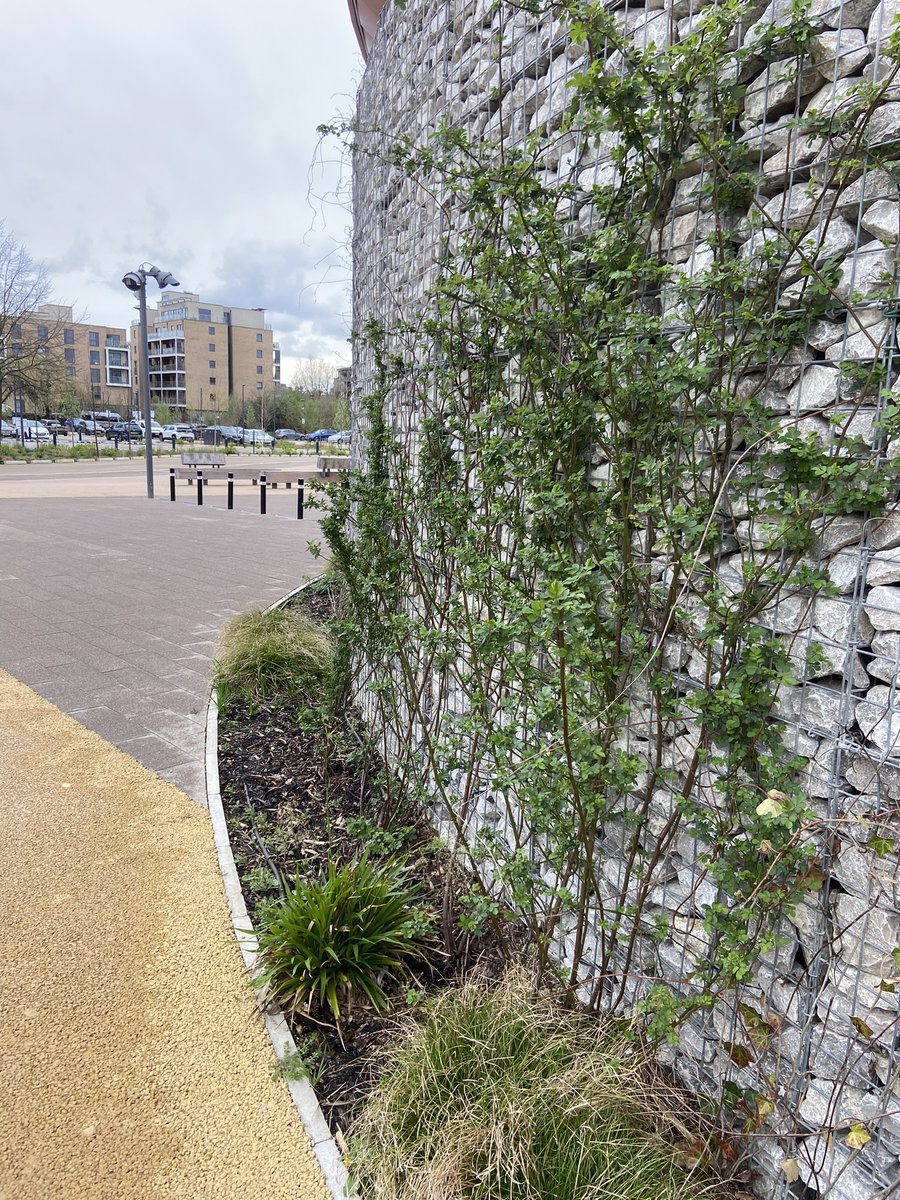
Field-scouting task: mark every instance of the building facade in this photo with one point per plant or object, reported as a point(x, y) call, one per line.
point(59, 350)
point(201, 353)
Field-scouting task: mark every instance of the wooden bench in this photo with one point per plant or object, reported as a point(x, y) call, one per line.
point(191, 458)
point(326, 463)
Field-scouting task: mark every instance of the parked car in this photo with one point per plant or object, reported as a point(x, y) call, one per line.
point(156, 430)
point(181, 433)
point(125, 431)
point(223, 435)
point(257, 437)
point(34, 431)
point(322, 435)
point(94, 428)
point(53, 426)
point(288, 435)
point(75, 424)
point(342, 438)
point(7, 430)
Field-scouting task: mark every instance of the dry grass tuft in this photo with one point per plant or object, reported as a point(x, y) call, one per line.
point(276, 652)
point(503, 1095)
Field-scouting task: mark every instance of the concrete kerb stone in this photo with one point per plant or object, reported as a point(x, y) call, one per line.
point(324, 1147)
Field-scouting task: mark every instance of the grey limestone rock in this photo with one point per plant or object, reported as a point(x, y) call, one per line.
point(835, 14)
point(878, 716)
point(777, 90)
point(884, 532)
point(839, 53)
point(866, 273)
point(882, 220)
point(817, 388)
point(835, 620)
point(883, 607)
point(884, 567)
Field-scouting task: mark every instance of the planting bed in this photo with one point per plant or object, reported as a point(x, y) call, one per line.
point(290, 786)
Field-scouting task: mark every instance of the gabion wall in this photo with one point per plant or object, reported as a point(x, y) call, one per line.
point(493, 71)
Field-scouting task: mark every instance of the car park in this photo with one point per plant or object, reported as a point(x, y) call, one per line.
point(342, 438)
point(322, 435)
point(7, 430)
point(289, 435)
point(257, 437)
point(53, 426)
point(181, 433)
point(94, 428)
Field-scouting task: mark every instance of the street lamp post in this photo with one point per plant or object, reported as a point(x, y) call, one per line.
point(136, 281)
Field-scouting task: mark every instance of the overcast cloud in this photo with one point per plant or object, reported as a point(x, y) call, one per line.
point(184, 135)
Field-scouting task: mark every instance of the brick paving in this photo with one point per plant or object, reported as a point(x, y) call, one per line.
point(110, 605)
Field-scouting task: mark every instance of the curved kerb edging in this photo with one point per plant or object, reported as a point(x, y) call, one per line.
point(324, 1147)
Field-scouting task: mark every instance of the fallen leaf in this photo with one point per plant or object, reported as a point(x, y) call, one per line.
point(861, 1027)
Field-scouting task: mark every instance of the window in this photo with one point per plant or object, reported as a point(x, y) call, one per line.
point(212, 347)
point(70, 372)
point(69, 337)
point(259, 354)
point(259, 370)
point(204, 314)
point(259, 337)
point(95, 358)
point(259, 387)
point(43, 333)
point(93, 338)
point(113, 339)
point(17, 331)
point(69, 355)
point(212, 329)
point(212, 362)
point(95, 374)
point(212, 379)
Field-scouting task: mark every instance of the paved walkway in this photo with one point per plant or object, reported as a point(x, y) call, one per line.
point(134, 1065)
point(111, 604)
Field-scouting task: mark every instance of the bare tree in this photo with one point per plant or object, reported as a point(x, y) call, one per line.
point(30, 328)
point(315, 376)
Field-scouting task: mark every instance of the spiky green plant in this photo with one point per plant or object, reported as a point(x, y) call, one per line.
point(341, 935)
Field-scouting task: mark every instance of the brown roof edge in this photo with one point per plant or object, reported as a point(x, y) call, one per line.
point(364, 15)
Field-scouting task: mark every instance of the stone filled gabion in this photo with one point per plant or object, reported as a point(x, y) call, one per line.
point(495, 71)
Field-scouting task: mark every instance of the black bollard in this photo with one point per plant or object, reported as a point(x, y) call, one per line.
point(172, 484)
point(231, 489)
point(299, 499)
point(262, 495)
point(173, 443)
point(54, 437)
point(200, 487)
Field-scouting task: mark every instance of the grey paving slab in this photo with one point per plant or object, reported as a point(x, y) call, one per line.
point(111, 607)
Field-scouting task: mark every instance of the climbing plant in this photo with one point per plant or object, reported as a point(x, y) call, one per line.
point(567, 441)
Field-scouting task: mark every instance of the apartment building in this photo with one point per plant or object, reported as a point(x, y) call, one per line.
point(57, 347)
point(200, 353)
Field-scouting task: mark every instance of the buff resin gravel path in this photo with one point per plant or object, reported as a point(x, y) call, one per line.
point(133, 1063)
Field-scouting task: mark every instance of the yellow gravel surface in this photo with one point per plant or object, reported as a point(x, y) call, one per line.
point(133, 1064)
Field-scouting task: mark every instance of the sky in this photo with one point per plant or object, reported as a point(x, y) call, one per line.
point(184, 135)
